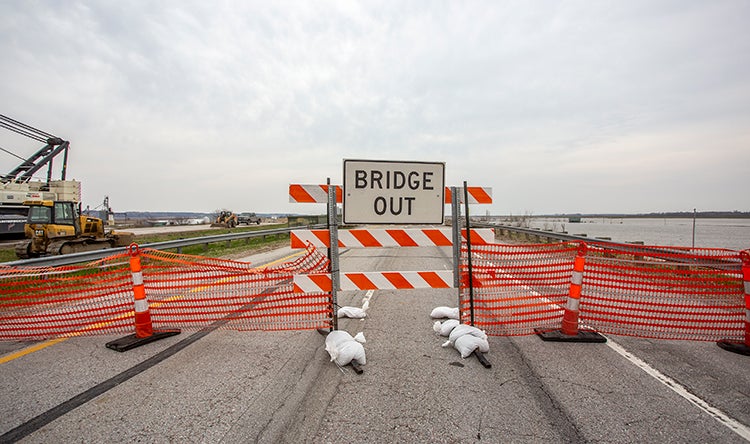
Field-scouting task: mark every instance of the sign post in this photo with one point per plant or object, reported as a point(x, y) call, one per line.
point(456, 225)
point(333, 250)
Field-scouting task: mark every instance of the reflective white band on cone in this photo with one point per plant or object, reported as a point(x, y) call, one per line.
point(137, 278)
point(141, 305)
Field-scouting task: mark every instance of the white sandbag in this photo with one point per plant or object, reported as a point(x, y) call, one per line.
point(335, 338)
point(360, 337)
point(445, 328)
point(466, 345)
point(465, 329)
point(351, 312)
point(444, 312)
point(348, 351)
point(343, 348)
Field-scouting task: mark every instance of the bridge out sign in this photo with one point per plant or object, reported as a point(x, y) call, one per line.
point(384, 192)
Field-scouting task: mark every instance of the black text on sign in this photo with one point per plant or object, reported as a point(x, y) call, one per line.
point(393, 192)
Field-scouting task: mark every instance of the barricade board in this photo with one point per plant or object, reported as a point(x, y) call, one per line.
point(318, 193)
point(378, 238)
point(374, 280)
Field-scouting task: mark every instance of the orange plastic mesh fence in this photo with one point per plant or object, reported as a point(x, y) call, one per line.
point(183, 291)
point(195, 293)
point(643, 291)
point(664, 293)
point(516, 287)
point(43, 302)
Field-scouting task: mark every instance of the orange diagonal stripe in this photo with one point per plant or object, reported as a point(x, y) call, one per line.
point(299, 194)
point(476, 239)
point(361, 281)
point(448, 195)
point(398, 280)
point(322, 235)
point(433, 279)
point(323, 281)
point(401, 238)
point(437, 237)
point(480, 195)
point(365, 238)
point(297, 242)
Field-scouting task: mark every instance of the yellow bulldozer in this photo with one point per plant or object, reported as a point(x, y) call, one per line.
point(225, 219)
point(57, 227)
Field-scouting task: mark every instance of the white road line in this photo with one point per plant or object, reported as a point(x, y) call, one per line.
point(717, 414)
point(366, 299)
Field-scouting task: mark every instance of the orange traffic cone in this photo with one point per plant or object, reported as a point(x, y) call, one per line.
point(570, 331)
point(144, 332)
point(742, 348)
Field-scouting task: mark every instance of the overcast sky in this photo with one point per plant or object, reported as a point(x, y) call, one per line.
point(593, 106)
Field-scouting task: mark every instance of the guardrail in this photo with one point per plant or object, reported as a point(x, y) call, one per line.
point(88, 256)
point(533, 232)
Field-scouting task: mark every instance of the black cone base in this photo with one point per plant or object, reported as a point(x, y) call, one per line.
point(734, 347)
point(559, 336)
point(132, 341)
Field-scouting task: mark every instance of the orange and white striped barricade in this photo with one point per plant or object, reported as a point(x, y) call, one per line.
point(742, 348)
point(374, 280)
point(144, 331)
point(318, 193)
point(476, 195)
point(380, 238)
point(312, 193)
point(570, 332)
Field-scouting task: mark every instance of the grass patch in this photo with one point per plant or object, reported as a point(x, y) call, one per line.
point(236, 248)
point(8, 254)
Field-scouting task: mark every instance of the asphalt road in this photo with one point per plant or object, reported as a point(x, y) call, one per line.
point(237, 387)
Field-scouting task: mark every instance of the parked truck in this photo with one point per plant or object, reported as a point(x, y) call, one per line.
point(248, 218)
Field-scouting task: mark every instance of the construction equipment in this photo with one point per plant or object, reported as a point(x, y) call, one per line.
point(57, 227)
point(225, 219)
point(17, 185)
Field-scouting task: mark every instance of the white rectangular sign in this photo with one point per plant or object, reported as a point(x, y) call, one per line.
point(385, 192)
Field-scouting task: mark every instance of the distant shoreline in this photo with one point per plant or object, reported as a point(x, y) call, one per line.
point(670, 215)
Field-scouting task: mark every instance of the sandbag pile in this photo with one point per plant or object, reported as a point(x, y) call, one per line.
point(343, 348)
point(464, 338)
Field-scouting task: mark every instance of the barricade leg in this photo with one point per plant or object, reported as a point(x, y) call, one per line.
point(570, 331)
point(742, 348)
point(144, 332)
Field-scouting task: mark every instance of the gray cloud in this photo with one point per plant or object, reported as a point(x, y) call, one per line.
point(571, 106)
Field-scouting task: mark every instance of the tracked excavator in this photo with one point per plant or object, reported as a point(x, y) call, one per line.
point(57, 227)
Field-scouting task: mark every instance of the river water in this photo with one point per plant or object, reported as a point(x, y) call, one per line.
point(732, 234)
